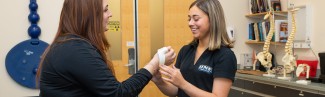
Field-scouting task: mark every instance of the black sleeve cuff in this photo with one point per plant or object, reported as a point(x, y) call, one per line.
point(145, 72)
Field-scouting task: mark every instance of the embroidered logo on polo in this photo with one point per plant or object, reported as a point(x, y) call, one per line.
point(205, 68)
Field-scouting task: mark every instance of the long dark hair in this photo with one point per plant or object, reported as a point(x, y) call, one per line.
point(83, 18)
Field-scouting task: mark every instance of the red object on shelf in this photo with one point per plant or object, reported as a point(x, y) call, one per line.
point(313, 66)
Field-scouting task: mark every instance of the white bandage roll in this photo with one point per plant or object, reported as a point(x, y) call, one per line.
point(161, 54)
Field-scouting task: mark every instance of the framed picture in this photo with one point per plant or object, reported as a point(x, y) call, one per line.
point(283, 32)
point(276, 5)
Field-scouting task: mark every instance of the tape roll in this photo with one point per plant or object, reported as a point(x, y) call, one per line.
point(161, 54)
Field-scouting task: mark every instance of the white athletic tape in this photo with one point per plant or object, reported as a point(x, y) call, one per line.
point(161, 54)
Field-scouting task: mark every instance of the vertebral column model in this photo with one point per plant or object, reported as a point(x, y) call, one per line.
point(289, 59)
point(265, 57)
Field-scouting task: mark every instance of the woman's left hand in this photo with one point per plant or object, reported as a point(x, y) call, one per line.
point(172, 75)
point(169, 56)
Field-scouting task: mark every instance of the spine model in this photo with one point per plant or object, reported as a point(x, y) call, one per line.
point(265, 57)
point(289, 59)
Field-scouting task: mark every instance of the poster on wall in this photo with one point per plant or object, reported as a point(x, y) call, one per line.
point(114, 26)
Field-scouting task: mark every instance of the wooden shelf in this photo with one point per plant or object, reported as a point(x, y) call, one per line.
point(261, 15)
point(262, 42)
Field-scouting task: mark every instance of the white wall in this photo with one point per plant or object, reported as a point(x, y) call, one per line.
point(235, 11)
point(318, 20)
point(13, 29)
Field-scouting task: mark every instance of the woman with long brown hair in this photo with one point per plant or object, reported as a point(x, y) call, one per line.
point(76, 64)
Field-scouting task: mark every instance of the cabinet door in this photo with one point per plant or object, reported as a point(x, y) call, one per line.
point(250, 95)
point(259, 87)
point(237, 93)
point(239, 83)
point(286, 92)
point(307, 94)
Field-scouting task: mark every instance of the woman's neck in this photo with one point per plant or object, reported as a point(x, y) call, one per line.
point(203, 43)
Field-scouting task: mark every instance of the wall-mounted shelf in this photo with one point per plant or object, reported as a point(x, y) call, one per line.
point(262, 42)
point(261, 15)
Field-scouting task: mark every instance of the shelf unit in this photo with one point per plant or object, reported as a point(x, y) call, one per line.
point(260, 16)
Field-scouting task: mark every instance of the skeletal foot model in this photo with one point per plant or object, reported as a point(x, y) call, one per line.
point(289, 59)
point(265, 57)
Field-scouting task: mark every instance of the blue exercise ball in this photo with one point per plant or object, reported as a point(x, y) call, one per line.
point(33, 6)
point(33, 17)
point(34, 31)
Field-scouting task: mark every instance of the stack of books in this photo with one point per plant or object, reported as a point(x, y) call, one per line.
point(259, 31)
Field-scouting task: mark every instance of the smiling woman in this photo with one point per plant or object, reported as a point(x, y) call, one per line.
point(76, 63)
point(205, 67)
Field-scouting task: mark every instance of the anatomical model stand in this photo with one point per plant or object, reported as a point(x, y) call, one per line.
point(289, 59)
point(265, 57)
point(254, 60)
point(302, 73)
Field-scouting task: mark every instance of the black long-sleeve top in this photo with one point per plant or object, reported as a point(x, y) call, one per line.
point(74, 68)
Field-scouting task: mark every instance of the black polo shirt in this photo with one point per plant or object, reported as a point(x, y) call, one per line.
point(220, 63)
point(75, 68)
